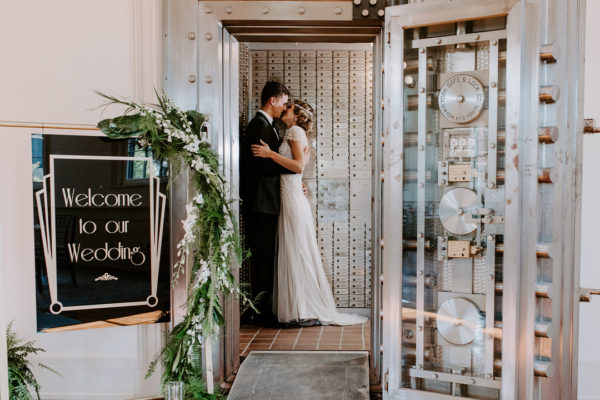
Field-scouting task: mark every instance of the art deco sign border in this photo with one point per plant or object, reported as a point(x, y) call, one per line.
point(46, 209)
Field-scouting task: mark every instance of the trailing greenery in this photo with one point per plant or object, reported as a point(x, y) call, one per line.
point(211, 239)
point(20, 376)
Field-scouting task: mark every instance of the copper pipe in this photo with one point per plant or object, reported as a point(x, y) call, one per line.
point(542, 289)
point(410, 351)
point(550, 53)
point(540, 367)
point(542, 250)
point(544, 329)
point(412, 66)
point(543, 368)
point(411, 244)
point(412, 138)
point(548, 134)
point(549, 94)
point(412, 102)
point(411, 280)
point(502, 56)
point(545, 175)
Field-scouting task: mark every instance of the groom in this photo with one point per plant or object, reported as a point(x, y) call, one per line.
point(261, 198)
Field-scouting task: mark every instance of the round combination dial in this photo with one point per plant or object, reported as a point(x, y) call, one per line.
point(461, 99)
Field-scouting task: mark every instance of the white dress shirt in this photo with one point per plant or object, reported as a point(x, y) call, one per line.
point(270, 119)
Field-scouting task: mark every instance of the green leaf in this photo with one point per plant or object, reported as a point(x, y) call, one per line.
point(124, 126)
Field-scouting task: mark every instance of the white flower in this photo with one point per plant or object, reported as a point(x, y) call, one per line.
point(199, 199)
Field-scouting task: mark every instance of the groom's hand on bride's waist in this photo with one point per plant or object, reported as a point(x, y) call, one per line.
point(305, 189)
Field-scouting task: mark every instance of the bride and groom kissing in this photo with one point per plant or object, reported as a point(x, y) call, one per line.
point(285, 262)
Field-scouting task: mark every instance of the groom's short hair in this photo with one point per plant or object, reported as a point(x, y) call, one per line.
point(272, 89)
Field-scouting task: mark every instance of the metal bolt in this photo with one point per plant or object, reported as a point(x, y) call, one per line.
point(493, 84)
point(492, 145)
point(488, 376)
point(420, 235)
point(338, 11)
point(442, 181)
point(421, 185)
point(435, 376)
point(491, 277)
point(489, 336)
point(420, 328)
point(473, 381)
point(365, 13)
point(265, 10)
point(476, 37)
point(301, 10)
point(192, 78)
point(208, 10)
point(494, 42)
point(443, 164)
point(491, 185)
point(423, 50)
point(419, 366)
point(228, 10)
point(443, 239)
point(438, 41)
point(191, 35)
point(208, 36)
point(208, 79)
point(490, 238)
point(422, 90)
point(421, 148)
point(421, 272)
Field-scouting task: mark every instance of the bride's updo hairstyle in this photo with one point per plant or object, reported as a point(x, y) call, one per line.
point(304, 116)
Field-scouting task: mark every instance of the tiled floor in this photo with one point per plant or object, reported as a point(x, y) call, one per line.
point(355, 337)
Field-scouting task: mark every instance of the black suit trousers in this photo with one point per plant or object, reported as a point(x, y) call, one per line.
point(261, 238)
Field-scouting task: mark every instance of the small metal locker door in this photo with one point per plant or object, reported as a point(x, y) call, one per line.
point(480, 206)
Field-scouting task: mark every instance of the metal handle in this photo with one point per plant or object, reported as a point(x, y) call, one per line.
point(585, 294)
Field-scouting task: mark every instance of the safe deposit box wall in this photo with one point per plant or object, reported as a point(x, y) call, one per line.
point(336, 80)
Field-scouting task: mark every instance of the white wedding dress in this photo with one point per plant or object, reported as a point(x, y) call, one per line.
point(303, 292)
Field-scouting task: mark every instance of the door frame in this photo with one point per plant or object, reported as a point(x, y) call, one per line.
point(201, 72)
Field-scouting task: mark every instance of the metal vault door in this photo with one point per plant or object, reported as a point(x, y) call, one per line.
point(480, 199)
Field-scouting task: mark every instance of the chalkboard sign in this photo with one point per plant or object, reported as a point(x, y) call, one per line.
point(101, 233)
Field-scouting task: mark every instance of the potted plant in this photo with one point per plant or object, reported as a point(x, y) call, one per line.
point(20, 375)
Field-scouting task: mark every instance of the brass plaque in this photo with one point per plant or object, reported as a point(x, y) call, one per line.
point(459, 249)
point(459, 172)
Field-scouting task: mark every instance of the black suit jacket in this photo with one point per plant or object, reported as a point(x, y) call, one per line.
point(260, 176)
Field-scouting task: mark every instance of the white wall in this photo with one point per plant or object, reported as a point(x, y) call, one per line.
point(54, 54)
point(589, 326)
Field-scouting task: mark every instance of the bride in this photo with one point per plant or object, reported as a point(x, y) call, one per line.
point(303, 292)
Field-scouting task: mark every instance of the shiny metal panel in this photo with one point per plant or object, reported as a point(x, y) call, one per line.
point(422, 130)
point(391, 277)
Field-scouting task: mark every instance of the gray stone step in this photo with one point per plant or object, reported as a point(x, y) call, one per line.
point(295, 375)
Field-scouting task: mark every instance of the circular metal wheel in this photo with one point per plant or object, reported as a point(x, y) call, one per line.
point(458, 321)
point(461, 99)
point(452, 210)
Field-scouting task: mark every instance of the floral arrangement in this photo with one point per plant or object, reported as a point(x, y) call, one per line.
point(211, 236)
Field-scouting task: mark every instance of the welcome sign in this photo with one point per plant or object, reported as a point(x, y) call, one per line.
point(102, 254)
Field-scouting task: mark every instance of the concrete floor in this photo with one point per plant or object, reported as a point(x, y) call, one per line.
point(296, 375)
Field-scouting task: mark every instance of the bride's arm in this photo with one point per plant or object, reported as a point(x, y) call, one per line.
point(296, 165)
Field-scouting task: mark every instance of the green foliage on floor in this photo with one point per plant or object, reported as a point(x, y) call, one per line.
point(21, 381)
